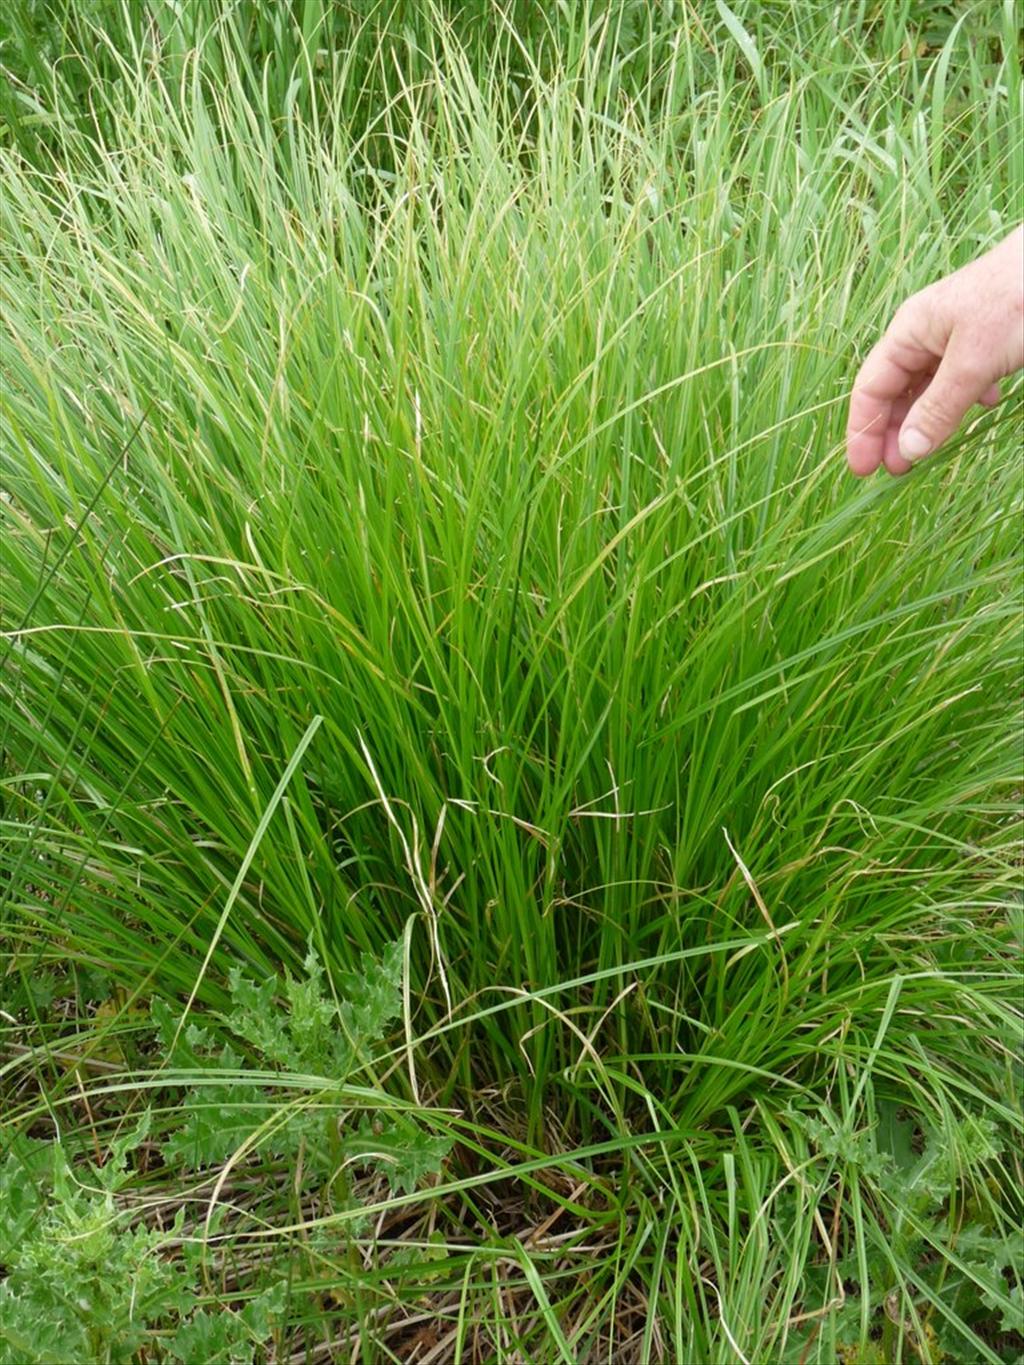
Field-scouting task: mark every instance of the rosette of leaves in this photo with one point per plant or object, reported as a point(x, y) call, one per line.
point(276, 1078)
point(86, 1279)
point(942, 1274)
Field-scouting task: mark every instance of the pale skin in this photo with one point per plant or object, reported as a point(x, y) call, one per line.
point(946, 349)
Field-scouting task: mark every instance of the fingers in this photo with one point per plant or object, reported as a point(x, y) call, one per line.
point(890, 370)
point(891, 458)
point(961, 380)
point(946, 349)
point(908, 398)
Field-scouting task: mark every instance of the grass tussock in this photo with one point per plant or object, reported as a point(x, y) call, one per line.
point(507, 853)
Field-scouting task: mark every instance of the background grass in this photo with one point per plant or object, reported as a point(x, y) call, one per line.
point(425, 520)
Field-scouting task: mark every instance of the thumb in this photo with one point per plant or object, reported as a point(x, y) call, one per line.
point(960, 381)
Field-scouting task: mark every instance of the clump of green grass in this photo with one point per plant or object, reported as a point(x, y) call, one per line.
point(425, 521)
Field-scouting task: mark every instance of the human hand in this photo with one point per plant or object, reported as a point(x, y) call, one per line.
point(946, 348)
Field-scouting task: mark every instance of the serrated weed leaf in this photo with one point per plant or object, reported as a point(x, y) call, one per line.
point(227, 1337)
point(295, 1028)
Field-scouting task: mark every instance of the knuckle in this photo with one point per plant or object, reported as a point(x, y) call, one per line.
point(905, 314)
point(917, 303)
point(973, 378)
point(947, 409)
point(915, 320)
point(937, 409)
point(973, 372)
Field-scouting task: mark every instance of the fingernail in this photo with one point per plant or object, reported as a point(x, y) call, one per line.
point(914, 444)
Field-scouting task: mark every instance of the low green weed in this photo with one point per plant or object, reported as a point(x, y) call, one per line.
point(318, 1041)
point(88, 1276)
point(84, 1281)
point(942, 1263)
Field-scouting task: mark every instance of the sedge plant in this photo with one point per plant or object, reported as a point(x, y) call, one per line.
point(425, 524)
